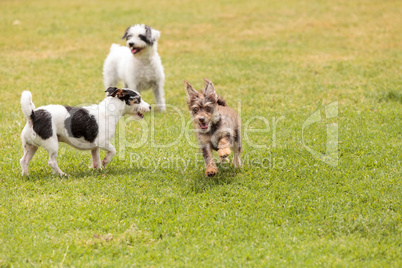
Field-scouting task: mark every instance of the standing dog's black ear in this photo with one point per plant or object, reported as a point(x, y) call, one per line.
point(126, 32)
point(147, 38)
point(148, 34)
point(112, 91)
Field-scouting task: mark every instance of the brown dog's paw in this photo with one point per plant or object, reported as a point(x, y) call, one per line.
point(224, 152)
point(224, 160)
point(211, 172)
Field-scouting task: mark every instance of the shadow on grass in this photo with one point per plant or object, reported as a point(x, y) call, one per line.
point(391, 96)
point(78, 174)
point(200, 183)
point(110, 171)
point(196, 177)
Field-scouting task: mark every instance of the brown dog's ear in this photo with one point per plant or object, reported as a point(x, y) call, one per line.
point(113, 91)
point(209, 87)
point(209, 90)
point(191, 92)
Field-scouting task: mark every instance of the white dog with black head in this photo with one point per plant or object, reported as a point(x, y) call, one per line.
point(85, 128)
point(138, 64)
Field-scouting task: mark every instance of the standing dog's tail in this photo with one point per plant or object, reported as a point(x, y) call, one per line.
point(27, 105)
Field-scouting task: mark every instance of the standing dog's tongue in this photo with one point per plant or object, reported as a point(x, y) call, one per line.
point(134, 50)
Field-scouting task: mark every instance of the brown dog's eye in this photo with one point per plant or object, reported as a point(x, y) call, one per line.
point(195, 110)
point(208, 109)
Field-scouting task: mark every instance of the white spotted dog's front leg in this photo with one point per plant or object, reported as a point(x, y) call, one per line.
point(52, 147)
point(96, 162)
point(53, 164)
point(160, 96)
point(111, 151)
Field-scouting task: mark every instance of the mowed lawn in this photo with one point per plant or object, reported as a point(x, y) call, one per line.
point(318, 88)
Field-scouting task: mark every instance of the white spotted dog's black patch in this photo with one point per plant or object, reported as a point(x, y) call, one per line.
point(128, 96)
point(111, 91)
point(131, 97)
point(86, 128)
point(81, 124)
point(42, 123)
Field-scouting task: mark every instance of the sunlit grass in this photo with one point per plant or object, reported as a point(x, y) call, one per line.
point(277, 63)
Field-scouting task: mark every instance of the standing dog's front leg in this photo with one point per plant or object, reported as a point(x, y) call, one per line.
point(160, 96)
point(111, 151)
point(209, 161)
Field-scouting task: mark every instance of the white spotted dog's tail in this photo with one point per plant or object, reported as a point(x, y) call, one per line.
point(27, 105)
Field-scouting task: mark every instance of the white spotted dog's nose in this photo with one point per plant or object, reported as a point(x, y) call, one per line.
point(145, 107)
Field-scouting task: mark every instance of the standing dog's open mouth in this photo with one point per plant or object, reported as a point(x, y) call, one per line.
point(135, 50)
point(140, 114)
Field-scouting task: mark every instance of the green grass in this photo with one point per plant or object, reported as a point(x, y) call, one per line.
point(277, 63)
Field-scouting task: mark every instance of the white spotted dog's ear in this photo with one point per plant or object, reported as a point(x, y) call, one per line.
point(191, 92)
point(209, 90)
point(155, 35)
point(113, 91)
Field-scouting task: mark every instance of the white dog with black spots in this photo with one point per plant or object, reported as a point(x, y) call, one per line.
point(85, 128)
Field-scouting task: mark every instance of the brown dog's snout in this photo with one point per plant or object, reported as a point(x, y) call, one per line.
point(201, 119)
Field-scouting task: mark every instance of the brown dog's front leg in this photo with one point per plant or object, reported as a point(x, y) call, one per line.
point(209, 161)
point(224, 148)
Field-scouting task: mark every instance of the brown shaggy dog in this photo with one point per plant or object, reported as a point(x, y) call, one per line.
point(217, 126)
